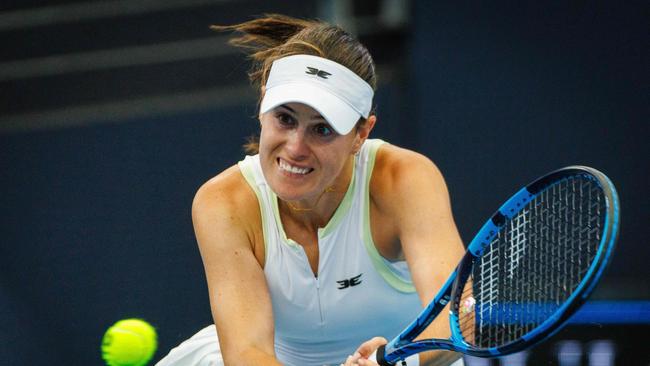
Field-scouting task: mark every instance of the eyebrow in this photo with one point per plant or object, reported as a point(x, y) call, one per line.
point(316, 116)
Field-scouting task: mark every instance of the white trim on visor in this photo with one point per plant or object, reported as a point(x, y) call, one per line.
point(336, 92)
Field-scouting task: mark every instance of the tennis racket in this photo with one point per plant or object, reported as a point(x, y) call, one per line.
point(529, 268)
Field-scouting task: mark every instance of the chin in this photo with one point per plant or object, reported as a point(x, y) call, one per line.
point(287, 192)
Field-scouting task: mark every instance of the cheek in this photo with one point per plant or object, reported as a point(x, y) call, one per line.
point(266, 139)
point(335, 163)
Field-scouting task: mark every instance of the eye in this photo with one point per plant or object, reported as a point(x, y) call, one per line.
point(323, 129)
point(285, 119)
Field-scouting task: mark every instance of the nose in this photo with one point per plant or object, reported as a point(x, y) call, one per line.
point(297, 145)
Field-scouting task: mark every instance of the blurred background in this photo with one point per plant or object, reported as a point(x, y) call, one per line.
point(113, 113)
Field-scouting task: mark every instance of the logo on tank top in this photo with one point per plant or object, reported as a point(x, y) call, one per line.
point(349, 282)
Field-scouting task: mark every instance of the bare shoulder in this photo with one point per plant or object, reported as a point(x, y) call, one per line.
point(227, 191)
point(399, 172)
point(226, 203)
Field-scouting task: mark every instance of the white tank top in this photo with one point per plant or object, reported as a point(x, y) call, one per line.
point(357, 294)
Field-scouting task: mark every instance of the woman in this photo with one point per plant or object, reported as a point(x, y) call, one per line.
point(324, 242)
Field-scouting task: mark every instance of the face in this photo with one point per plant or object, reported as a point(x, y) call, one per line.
point(301, 154)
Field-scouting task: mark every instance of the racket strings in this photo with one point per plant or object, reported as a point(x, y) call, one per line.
point(534, 264)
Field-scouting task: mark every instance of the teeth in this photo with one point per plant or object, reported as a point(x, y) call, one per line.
point(292, 169)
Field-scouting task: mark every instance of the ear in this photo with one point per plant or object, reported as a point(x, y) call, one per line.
point(363, 132)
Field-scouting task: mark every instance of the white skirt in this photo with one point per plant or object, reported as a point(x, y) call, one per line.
point(200, 350)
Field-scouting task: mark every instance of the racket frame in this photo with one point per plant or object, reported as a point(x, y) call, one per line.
point(403, 345)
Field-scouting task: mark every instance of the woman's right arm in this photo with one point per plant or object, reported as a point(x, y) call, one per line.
point(224, 213)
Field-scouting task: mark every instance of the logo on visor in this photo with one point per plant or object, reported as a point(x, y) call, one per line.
point(319, 73)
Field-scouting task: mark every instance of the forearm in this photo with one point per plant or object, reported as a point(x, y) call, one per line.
point(438, 358)
point(439, 328)
point(251, 356)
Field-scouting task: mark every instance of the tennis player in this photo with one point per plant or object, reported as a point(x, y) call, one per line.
point(322, 243)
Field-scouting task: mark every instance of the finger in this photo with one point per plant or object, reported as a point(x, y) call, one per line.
point(352, 359)
point(368, 347)
point(364, 362)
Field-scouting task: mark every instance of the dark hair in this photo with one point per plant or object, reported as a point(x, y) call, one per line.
point(274, 36)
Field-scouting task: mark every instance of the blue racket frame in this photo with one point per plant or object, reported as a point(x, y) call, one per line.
point(403, 345)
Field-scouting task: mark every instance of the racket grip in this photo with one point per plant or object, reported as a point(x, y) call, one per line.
point(412, 360)
point(380, 356)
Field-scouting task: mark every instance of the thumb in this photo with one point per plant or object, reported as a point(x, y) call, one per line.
point(368, 347)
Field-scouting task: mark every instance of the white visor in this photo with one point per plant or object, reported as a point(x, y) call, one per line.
point(333, 90)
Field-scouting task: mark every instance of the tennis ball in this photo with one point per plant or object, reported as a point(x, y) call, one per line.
point(129, 342)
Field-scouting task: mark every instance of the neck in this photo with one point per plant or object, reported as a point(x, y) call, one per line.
point(307, 209)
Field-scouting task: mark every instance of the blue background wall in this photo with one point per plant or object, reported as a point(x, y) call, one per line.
point(96, 223)
point(507, 93)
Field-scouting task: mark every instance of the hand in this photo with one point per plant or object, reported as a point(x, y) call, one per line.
point(361, 356)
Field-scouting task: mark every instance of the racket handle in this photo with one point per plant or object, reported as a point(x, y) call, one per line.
point(380, 356)
point(412, 360)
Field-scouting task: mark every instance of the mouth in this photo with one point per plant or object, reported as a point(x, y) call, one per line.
point(293, 169)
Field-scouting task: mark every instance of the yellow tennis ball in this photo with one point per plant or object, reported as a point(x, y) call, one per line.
point(129, 342)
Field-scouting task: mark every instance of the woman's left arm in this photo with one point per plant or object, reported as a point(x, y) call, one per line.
point(429, 238)
point(412, 190)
